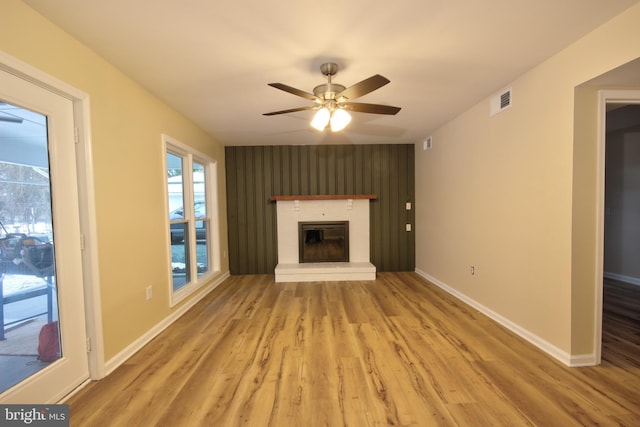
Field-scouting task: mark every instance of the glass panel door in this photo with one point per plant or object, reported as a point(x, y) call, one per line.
point(28, 293)
point(42, 325)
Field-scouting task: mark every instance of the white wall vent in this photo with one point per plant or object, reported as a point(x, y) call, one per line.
point(500, 102)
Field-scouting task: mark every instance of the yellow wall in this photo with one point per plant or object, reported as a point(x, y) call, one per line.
point(127, 123)
point(584, 226)
point(500, 193)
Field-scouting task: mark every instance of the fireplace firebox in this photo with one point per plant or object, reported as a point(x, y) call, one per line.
point(324, 241)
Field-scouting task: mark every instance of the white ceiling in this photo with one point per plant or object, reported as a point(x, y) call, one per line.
point(212, 60)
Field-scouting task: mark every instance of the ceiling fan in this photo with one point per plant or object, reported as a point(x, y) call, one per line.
point(332, 100)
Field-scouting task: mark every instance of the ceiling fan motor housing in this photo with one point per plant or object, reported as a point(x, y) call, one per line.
point(328, 91)
point(329, 69)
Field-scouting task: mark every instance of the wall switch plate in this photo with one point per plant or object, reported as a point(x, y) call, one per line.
point(408, 206)
point(149, 292)
point(408, 226)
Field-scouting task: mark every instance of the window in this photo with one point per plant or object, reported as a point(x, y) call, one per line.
point(193, 226)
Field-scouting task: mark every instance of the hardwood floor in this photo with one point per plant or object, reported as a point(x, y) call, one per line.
point(394, 351)
point(621, 324)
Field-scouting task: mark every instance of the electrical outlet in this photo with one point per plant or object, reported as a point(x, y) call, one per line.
point(408, 227)
point(149, 292)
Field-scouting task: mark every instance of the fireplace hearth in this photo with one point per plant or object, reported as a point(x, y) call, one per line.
point(323, 241)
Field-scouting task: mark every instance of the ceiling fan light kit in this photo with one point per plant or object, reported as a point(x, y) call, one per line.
point(339, 120)
point(321, 119)
point(332, 100)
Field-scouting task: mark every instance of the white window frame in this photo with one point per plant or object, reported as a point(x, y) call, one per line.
point(190, 155)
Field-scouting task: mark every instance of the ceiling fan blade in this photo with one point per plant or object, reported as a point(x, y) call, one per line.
point(291, 110)
point(371, 108)
point(363, 87)
point(294, 91)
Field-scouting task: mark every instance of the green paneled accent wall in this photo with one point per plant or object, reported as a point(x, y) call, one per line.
point(258, 172)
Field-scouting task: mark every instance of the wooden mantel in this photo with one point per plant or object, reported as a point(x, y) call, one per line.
point(324, 197)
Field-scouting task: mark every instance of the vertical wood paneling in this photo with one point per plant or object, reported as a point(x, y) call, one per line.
point(314, 171)
point(256, 173)
point(295, 170)
point(250, 207)
point(322, 170)
point(232, 208)
point(270, 250)
point(259, 209)
point(304, 170)
point(403, 186)
point(411, 191)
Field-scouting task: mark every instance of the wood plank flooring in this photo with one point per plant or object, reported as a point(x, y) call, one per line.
point(395, 351)
point(621, 324)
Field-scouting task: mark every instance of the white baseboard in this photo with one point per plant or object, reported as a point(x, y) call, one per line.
point(622, 278)
point(547, 347)
point(135, 346)
point(580, 360)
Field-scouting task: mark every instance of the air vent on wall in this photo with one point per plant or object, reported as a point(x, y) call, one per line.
point(501, 101)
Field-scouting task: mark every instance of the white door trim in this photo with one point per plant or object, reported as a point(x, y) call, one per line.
point(84, 161)
point(604, 97)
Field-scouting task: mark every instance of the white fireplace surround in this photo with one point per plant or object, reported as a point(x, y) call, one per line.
point(292, 211)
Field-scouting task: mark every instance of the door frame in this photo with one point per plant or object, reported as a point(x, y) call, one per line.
point(629, 96)
point(86, 200)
